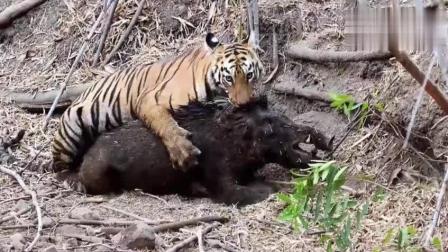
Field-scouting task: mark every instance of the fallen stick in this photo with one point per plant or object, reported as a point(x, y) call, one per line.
point(72, 69)
point(43, 100)
point(28, 196)
point(106, 29)
point(34, 200)
point(439, 97)
point(157, 228)
point(125, 34)
point(302, 92)
point(15, 11)
point(303, 53)
point(145, 220)
point(191, 239)
point(435, 217)
point(274, 57)
point(177, 225)
point(12, 216)
point(86, 238)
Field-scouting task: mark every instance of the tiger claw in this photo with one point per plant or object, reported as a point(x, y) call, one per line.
point(183, 154)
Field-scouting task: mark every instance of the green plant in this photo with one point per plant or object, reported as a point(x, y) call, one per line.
point(317, 200)
point(437, 244)
point(349, 107)
point(401, 239)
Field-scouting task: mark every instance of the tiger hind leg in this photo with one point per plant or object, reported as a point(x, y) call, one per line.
point(182, 152)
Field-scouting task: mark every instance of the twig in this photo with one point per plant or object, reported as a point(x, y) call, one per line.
point(302, 92)
point(12, 216)
point(15, 140)
point(35, 203)
point(126, 33)
point(215, 243)
point(418, 102)
point(145, 220)
point(72, 68)
point(254, 27)
point(44, 100)
point(34, 158)
point(97, 222)
point(439, 97)
point(152, 196)
point(78, 222)
point(435, 217)
point(211, 15)
point(15, 11)
point(86, 238)
point(28, 196)
point(303, 53)
point(157, 228)
point(200, 240)
point(274, 57)
point(177, 225)
point(438, 122)
point(106, 29)
point(191, 239)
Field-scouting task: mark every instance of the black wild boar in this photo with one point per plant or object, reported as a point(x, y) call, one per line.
point(235, 143)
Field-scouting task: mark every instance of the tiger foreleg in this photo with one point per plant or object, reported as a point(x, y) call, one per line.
point(182, 152)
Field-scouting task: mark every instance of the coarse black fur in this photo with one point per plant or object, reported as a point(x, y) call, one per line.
point(236, 142)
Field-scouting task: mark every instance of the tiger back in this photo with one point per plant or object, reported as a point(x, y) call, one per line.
point(147, 92)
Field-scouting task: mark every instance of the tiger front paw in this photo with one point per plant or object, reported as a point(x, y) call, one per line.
point(183, 153)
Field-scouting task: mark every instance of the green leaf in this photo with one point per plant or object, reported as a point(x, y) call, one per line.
point(339, 173)
point(315, 177)
point(437, 243)
point(388, 237)
point(284, 198)
point(412, 231)
point(403, 238)
point(379, 194)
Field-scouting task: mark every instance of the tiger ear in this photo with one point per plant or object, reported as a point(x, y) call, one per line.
point(211, 41)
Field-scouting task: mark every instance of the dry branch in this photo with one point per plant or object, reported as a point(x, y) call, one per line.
point(15, 11)
point(34, 200)
point(157, 228)
point(72, 68)
point(145, 220)
point(126, 33)
point(12, 216)
point(438, 96)
point(302, 92)
point(303, 53)
point(106, 29)
point(44, 100)
point(191, 239)
point(435, 217)
point(274, 57)
point(177, 225)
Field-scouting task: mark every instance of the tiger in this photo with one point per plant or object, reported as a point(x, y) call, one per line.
point(150, 92)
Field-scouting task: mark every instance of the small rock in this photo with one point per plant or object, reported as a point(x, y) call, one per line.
point(138, 236)
point(71, 242)
point(47, 221)
point(52, 248)
point(84, 213)
point(116, 238)
point(21, 204)
point(69, 229)
point(17, 241)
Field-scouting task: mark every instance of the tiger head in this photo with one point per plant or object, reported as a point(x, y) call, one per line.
point(235, 68)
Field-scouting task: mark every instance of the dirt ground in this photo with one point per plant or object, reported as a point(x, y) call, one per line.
point(36, 54)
